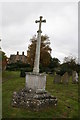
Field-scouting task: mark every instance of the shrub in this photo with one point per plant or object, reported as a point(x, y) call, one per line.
point(22, 72)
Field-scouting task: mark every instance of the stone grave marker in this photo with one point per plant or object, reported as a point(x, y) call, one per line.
point(36, 80)
point(65, 78)
point(57, 79)
point(74, 77)
point(34, 95)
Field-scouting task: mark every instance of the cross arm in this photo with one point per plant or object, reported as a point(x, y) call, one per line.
point(39, 21)
point(43, 20)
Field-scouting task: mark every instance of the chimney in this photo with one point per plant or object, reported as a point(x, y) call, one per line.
point(22, 53)
point(17, 53)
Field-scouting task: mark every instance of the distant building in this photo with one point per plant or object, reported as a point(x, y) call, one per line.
point(17, 57)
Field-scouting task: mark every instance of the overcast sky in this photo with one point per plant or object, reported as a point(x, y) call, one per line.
point(18, 23)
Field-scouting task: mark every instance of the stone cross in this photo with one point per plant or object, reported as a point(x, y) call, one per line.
point(37, 55)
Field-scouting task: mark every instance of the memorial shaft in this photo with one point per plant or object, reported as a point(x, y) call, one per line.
point(38, 44)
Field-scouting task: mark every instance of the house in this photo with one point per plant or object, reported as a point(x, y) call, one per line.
point(17, 57)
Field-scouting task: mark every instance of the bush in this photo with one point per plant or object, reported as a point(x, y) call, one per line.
point(18, 66)
point(64, 68)
point(22, 72)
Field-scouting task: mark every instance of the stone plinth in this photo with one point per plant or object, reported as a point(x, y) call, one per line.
point(35, 81)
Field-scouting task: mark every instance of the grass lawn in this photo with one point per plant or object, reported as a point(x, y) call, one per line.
point(67, 96)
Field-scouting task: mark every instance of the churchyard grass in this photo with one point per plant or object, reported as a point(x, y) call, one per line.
point(67, 96)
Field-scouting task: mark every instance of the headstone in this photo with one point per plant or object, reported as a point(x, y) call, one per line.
point(74, 77)
point(57, 78)
point(65, 78)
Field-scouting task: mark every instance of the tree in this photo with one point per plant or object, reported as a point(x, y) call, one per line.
point(4, 60)
point(68, 65)
point(54, 64)
point(45, 51)
point(4, 57)
point(71, 61)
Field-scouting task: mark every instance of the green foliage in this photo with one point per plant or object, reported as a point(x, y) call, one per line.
point(69, 65)
point(18, 66)
point(67, 96)
point(54, 64)
point(51, 68)
point(44, 69)
point(22, 72)
point(64, 68)
point(78, 68)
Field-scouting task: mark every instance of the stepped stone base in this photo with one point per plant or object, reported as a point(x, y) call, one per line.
point(28, 98)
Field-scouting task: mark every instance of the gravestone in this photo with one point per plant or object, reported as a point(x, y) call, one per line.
point(34, 95)
point(57, 79)
point(65, 78)
point(74, 77)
